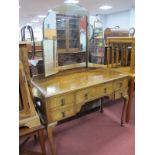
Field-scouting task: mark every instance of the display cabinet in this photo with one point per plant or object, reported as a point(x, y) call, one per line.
point(68, 33)
point(97, 47)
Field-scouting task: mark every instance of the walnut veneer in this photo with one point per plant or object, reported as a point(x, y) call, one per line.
point(64, 93)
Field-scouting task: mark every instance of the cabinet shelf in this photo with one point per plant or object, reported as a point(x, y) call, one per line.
point(61, 29)
point(63, 52)
point(60, 38)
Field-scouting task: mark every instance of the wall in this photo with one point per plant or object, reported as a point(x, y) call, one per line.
point(132, 17)
point(37, 31)
point(123, 19)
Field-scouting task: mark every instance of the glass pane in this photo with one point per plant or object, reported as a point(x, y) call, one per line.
point(61, 44)
point(61, 22)
point(61, 31)
point(61, 34)
point(73, 32)
point(73, 44)
point(73, 23)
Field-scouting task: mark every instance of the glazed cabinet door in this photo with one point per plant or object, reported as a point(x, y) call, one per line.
point(61, 24)
point(68, 33)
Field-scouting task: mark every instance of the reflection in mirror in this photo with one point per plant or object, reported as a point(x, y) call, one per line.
point(50, 44)
point(71, 34)
point(96, 42)
point(65, 37)
point(83, 33)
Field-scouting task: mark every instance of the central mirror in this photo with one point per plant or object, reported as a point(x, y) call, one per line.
point(65, 37)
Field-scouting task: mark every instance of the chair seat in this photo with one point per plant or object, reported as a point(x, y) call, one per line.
point(23, 131)
point(26, 132)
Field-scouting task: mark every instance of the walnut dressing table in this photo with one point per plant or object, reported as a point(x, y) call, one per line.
point(64, 93)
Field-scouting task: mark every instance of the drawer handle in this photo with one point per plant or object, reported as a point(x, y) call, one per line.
point(105, 90)
point(63, 114)
point(86, 96)
point(62, 102)
point(121, 94)
point(120, 84)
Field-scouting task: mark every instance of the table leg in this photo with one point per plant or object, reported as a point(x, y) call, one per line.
point(42, 141)
point(101, 105)
point(51, 140)
point(131, 90)
point(125, 104)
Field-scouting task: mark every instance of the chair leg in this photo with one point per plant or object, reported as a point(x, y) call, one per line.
point(42, 140)
point(131, 90)
point(35, 137)
point(125, 104)
point(25, 141)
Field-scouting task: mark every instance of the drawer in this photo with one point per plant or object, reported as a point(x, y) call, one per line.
point(88, 94)
point(96, 91)
point(120, 93)
point(107, 88)
point(60, 114)
point(60, 101)
point(122, 83)
point(83, 95)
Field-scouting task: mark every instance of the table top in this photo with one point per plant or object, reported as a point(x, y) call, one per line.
point(124, 69)
point(74, 79)
point(121, 39)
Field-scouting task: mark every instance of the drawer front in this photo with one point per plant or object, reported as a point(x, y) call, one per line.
point(60, 114)
point(122, 83)
point(107, 88)
point(86, 95)
point(82, 96)
point(96, 92)
point(60, 101)
point(120, 93)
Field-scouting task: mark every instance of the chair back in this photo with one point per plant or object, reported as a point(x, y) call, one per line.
point(121, 52)
point(26, 107)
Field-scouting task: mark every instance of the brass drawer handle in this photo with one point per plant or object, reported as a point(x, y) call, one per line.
point(121, 94)
point(105, 90)
point(63, 114)
point(121, 84)
point(62, 102)
point(86, 96)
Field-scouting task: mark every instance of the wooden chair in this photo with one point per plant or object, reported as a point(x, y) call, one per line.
point(29, 122)
point(27, 133)
point(121, 57)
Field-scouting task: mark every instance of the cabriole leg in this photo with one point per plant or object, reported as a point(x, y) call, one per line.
point(125, 104)
point(50, 139)
point(131, 91)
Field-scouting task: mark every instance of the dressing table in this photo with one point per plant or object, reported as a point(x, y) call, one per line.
point(63, 91)
point(63, 94)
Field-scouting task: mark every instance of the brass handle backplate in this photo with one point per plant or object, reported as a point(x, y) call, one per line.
point(86, 96)
point(62, 102)
point(121, 94)
point(121, 84)
point(63, 114)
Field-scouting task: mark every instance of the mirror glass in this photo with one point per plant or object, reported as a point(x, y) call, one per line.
point(71, 34)
point(50, 44)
